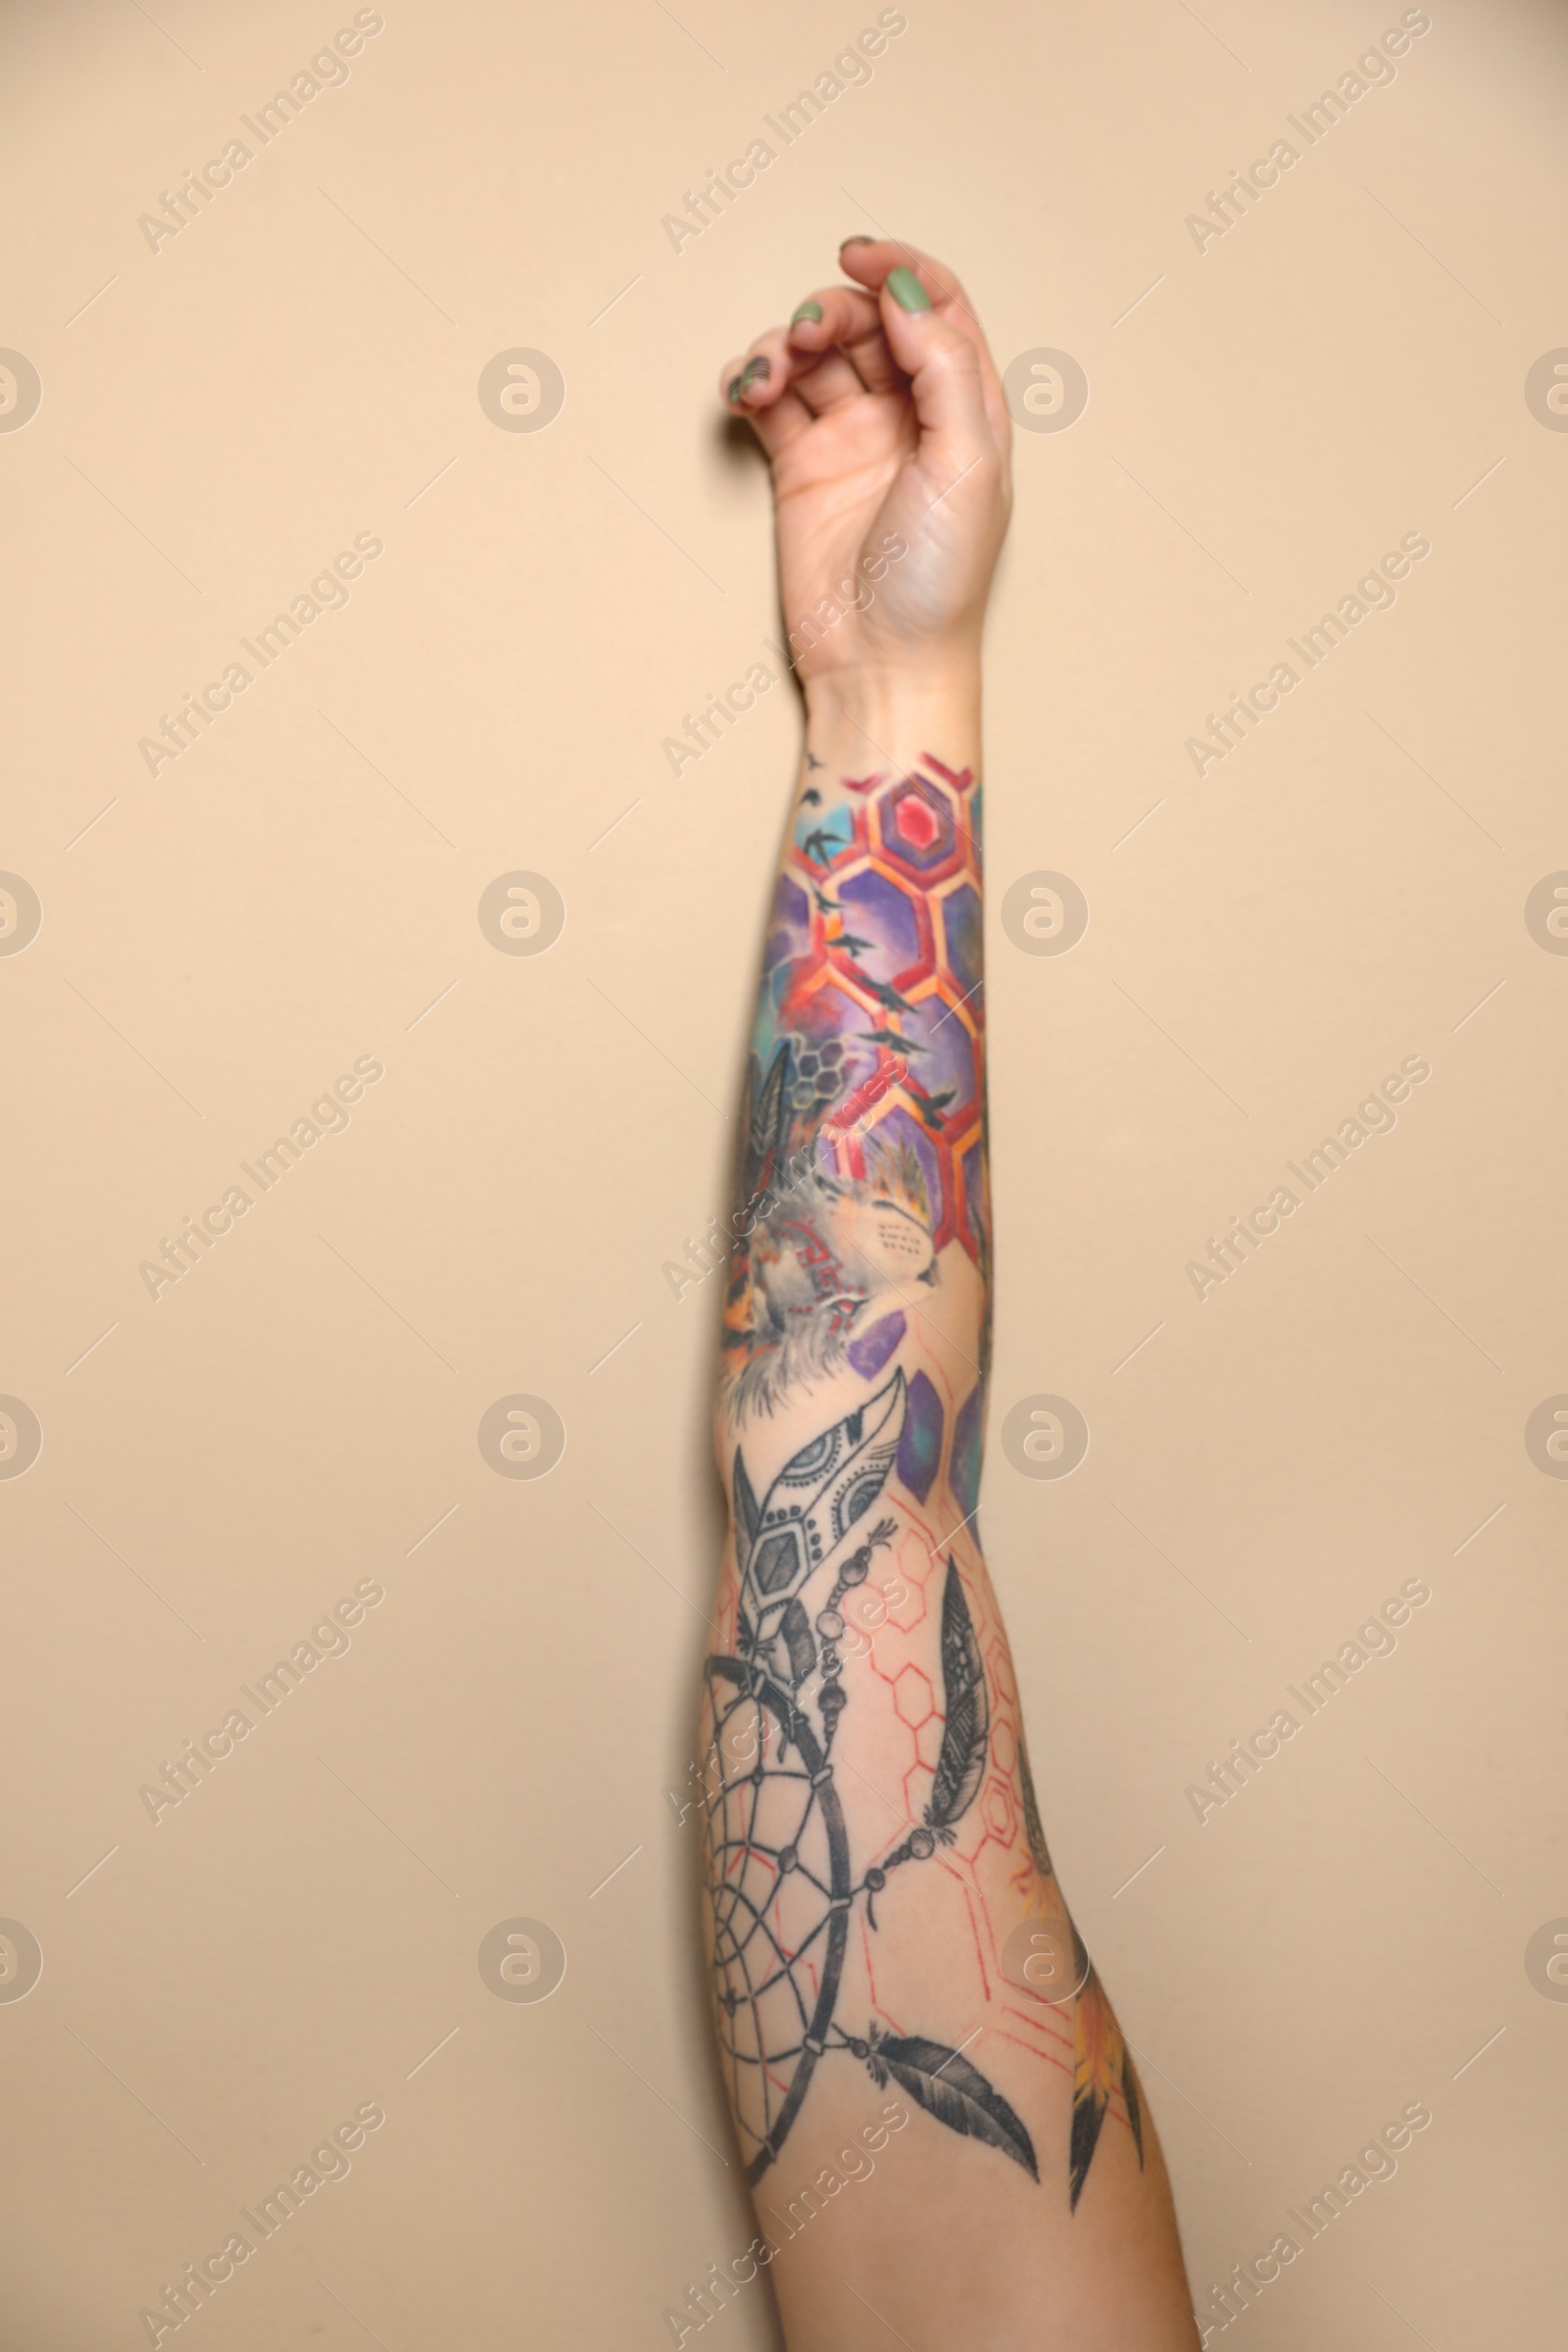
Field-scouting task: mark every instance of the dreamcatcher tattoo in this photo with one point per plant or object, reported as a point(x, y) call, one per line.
point(782, 1883)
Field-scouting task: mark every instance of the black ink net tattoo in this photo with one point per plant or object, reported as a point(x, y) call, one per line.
point(781, 1880)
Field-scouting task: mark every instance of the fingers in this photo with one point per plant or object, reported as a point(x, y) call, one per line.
point(804, 358)
point(876, 260)
point(753, 388)
point(761, 375)
point(944, 370)
point(907, 326)
point(833, 351)
point(825, 380)
point(757, 387)
point(847, 319)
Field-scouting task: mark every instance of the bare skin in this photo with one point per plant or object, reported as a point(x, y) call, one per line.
point(943, 2128)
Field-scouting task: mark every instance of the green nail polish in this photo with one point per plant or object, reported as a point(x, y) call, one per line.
point(756, 371)
point(732, 390)
point(807, 309)
point(906, 290)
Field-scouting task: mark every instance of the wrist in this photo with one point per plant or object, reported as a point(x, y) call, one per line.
point(864, 714)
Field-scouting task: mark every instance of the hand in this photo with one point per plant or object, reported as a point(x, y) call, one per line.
point(885, 425)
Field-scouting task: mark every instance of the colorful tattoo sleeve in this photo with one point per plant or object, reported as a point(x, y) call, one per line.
point(863, 1128)
point(865, 1787)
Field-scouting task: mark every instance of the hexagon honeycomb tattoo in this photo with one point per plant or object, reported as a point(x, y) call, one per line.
point(862, 1135)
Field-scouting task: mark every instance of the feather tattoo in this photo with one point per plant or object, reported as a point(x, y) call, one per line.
point(960, 1767)
point(945, 2084)
point(1102, 2063)
point(809, 1508)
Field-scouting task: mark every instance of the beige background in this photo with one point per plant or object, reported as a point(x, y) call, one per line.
point(299, 889)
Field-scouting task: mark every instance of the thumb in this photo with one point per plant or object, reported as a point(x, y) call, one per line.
point(942, 364)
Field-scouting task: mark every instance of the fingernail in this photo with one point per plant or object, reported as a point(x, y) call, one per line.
point(807, 309)
point(906, 290)
point(857, 241)
point(732, 390)
point(755, 371)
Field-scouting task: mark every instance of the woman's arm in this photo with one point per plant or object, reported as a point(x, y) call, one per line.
point(939, 2118)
